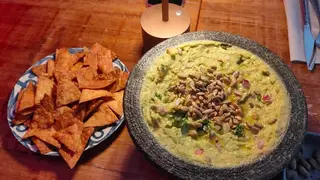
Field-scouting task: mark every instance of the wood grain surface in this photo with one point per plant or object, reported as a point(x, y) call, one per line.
point(30, 30)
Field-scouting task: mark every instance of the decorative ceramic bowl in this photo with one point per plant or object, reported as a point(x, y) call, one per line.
point(264, 168)
point(19, 130)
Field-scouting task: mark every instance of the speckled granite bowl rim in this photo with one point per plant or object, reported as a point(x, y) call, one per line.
point(264, 168)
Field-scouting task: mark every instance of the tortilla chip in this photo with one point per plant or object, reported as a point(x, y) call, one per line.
point(65, 60)
point(40, 70)
point(27, 98)
point(87, 79)
point(19, 119)
point(105, 64)
point(27, 122)
point(88, 95)
point(27, 112)
point(67, 93)
point(71, 136)
point(92, 106)
point(44, 86)
point(50, 67)
point(116, 104)
point(62, 110)
point(60, 75)
point(77, 66)
point(41, 118)
point(114, 74)
point(99, 49)
point(91, 60)
point(47, 103)
point(104, 116)
point(65, 120)
point(72, 158)
point(120, 82)
point(42, 146)
point(45, 135)
point(19, 98)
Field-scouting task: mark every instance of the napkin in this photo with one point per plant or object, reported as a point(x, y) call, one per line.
point(295, 24)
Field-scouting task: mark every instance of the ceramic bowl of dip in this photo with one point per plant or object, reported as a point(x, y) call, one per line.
point(264, 167)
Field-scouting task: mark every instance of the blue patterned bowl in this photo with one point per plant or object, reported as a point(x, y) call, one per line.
point(19, 130)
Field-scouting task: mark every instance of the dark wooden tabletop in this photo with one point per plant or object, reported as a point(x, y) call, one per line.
point(30, 30)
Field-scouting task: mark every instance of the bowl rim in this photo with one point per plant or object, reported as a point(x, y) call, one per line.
point(154, 151)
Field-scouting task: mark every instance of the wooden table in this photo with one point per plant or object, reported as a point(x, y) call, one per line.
point(29, 30)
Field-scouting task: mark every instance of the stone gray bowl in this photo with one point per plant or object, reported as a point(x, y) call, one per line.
point(264, 168)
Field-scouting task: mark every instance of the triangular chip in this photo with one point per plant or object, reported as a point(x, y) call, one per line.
point(62, 110)
point(19, 119)
point(65, 120)
point(19, 98)
point(48, 103)
point(104, 116)
point(114, 74)
point(42, 146)
point(27, 99)
point(50, 67)
point(65, 60)
point(67, 93)
point(61, 75)
point(71, 136)
point(105, 63)
point(44, 86)
point(77, 66)
point(99, 49)
point(88, 79)
point(72, 157)
point(40, 70)
point(45, 135)
point(41, 118)
point(116, 103)
point(91, 60)
point(92, 106)
point(120, 82)
point(88, 95)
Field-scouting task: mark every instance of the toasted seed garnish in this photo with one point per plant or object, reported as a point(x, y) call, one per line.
point(199, 114)
point(235, 121)
point(271, 121)
point(210, 70)
point(208, 111)
point(196, 125)
point(236, 74)
point(239, 118)
point(237, 93)
point(254, 130)
point(193, 133)
point(258, 125)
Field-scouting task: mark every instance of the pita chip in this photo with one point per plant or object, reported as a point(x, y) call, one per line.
point(72, 157)
point(100, 50)
point(40, 70)
point(42, 146)
point(88, 95)
point(70, 136)
point(67, 92)
point(116, 103)
point(104, 116)
point(44, 86)
point(19, 119)
point(92, 106)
